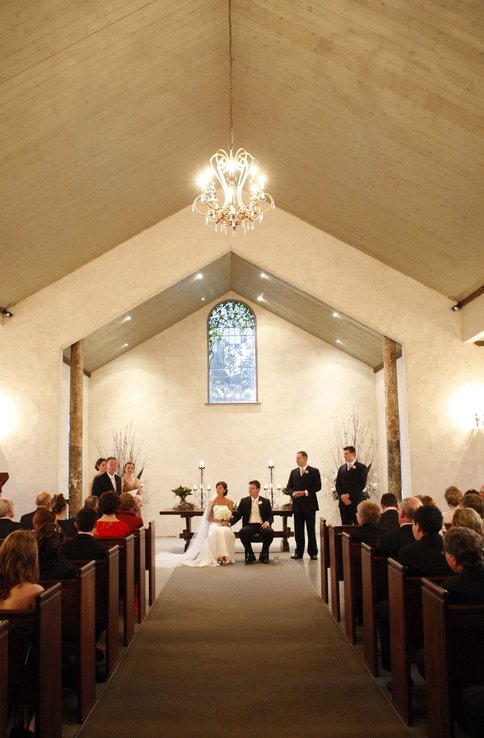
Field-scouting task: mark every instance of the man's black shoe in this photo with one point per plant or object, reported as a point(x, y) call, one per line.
point(249, 558)
point(264, 558)
point(296, 556)
point(313, 558)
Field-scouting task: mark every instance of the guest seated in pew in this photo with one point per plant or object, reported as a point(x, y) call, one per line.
point(52, 564)
point(425, 557)
point(390, 543)
point(83, 547)
point(466, 517)
point(59, 508)
point(463, 552)
point(367, 514)
point(19, 571)
point(452, 496)
point(92, 503)
point(389, 515)
point(426, 500)
point(108, 525)
point(41, 517)
point(42, 501)
point(127, 511)
point(7, 513)
point(474, 502)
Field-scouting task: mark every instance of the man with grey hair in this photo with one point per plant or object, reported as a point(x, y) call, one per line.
point(6, 514)
point(390, 543)
point(42, 500)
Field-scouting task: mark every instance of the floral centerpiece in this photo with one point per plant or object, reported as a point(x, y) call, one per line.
point(182, 493)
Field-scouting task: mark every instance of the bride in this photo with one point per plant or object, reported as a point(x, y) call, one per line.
point(214, 542)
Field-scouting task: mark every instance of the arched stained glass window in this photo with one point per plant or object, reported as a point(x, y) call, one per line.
point(232, 353)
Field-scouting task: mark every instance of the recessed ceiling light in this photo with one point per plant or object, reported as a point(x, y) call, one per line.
point(125, 345)
point(263, 275)
point(128, 317)
point(336, 315)
point(261, 297)
point(203, 299)
point(199, 275)
point(338, 341)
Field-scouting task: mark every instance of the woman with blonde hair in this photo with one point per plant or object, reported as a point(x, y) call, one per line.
point(19, 571)
point(132, 484)
point(466, 517)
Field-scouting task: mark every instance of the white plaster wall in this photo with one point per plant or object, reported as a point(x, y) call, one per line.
point(305, 388)
point(442, 374)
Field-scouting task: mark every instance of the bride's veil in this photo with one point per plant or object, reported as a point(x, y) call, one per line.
point(167, 559)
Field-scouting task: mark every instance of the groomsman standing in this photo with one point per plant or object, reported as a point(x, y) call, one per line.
point(350, 483)
point(304, 482)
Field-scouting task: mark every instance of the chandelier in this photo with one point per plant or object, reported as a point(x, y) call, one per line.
point(232, 172)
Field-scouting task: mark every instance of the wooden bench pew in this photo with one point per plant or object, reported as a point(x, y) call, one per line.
point(374, 585)
point(352, 585)
point(78, 632)
point(126, 581)
point(140, 572)
point(406, 632)
point(324, 554)
point(150, 559)
point(107, 604)
point(3, 676)
point(454, 648)
point(336, 565)
point(40, 679)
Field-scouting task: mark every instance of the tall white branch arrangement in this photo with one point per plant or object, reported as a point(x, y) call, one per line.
point(125, 446)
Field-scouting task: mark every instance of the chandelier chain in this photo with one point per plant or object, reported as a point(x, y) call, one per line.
point(231, 88)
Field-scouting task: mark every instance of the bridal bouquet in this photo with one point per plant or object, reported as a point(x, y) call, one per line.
point(222, 513)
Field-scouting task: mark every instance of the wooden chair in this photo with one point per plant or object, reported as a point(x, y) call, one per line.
point(336, 565)
point(406, 632)
point(107, 604)
point(78, 632)
point(3, 677)
point(150, 538)
point(40, 678)
point(454, 648)
point(126, 581)
point(352, 584)
point(374, 586)
point(324, 553)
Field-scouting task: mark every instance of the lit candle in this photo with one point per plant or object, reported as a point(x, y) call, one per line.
point(201, 465)
point(270, 463)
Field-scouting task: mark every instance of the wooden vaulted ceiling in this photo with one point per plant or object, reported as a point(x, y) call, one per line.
point(366, 114)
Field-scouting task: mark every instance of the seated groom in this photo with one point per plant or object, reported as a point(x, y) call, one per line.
point(256, 514)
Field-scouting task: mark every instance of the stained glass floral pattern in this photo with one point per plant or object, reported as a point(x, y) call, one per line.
point(232, 353)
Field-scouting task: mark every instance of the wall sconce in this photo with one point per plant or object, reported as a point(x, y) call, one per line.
point(479, 420)
point(5, 313)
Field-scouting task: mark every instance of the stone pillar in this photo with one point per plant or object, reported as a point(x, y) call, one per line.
point(75, 427)
point(392, 418)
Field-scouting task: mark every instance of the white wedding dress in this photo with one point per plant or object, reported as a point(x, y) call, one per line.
point(211, 543)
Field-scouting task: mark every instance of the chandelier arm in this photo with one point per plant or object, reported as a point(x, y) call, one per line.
point(231, 89)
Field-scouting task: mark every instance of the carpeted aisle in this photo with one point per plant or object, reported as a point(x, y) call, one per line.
point(241, 652)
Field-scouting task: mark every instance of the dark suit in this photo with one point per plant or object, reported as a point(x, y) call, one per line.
point(367, 533)
point(69, 527)
point(27, 520)
point(389, 520)
point(352, 482)
point(304, 508)
point(425, 557)
point(103, 483)
point(7, 526)
point(390, 543)
point(249, 530)
point(466, 588)
point(83, 547)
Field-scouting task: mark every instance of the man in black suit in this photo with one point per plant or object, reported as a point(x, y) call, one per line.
point(390, 543)
point(350, 483)
point(42, 501)
point(303, 485)
point(257, 518)
point(425, 557)
point(109, 481)
point(6, 514)
point(83, 547)
point(389, 511)
point(463, 553)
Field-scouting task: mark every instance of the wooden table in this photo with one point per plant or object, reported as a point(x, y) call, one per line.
point(189, 513)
